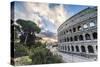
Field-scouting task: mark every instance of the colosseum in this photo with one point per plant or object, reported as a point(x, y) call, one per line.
point(78, 34)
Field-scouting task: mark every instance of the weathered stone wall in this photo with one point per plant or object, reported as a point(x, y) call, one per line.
point(78, 34)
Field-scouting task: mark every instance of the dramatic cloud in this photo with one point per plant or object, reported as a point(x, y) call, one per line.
point(47, 16)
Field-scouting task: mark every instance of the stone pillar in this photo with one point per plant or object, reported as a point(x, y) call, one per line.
point(84, 37)
point(86, 49)
point(74, 49)
point(64, 48)
point(91, 36)
point(80, 49)
point(67, 48)
point(70, 48)
point(94, 48)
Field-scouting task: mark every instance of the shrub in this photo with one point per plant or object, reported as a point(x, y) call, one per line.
point(20, 50)
point(43, 56)
point(25, 60)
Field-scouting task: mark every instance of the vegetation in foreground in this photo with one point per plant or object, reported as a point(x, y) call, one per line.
point(30, 50)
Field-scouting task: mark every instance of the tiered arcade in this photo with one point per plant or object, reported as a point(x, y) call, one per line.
point(78, 34)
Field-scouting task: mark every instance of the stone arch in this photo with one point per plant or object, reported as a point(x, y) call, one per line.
point(75, 38)
point(65, 48)
point(70, 31)
point(90, 49)
point(66, 31)
point(71, 39)
point(72, 48)
point(96, 47)
point(68, 48)
point(94, 34)
point(87, 36)
point(92, 23)
point(83, 48)
point(77, 48)
point(79, 27)
point(80, 37)
point(67, 39)
point(74, 29)
point(85, 26)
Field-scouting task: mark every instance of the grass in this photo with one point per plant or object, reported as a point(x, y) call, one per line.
point(25, 60)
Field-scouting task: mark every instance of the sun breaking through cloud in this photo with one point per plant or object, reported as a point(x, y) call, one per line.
point(47, 16)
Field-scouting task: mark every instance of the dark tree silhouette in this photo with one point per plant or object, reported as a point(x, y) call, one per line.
point(29, 28)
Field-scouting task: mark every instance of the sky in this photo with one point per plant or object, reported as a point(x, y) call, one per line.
point(48, 16)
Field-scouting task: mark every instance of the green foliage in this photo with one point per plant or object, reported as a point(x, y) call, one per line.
point(43, 56)
point(36, 51)
point(38, 55)
point(28, 25)
point(20, 50)
point(29, 28)
point(20, 47)
point(39, 44)
point(17, 28)
point(25, 60)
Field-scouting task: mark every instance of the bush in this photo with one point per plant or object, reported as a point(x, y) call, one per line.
point(38, 44)
point(20, 50)
point(25, 60)
point(39, 54)
point(43, 56)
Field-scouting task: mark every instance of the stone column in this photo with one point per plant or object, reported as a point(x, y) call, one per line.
point(84, 37)
point(94, 48)
point(74, 49)
point(91, 36)
point(86, 48)
point(80, 49)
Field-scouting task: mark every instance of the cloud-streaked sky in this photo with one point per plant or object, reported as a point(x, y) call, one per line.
point(48, 16)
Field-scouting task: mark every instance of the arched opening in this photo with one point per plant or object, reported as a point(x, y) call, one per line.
point(79, 28)
point(83, 49)
point(74, 29)
point(71, 39)
point(68, 48)
point(72, 48)
point(77, 49)
point(90, 49)
point(96, 47)
point(75, 38)
point(85, 26)
point(81, 37)
point(60, 41)
point(87, 36)
point(65, 48)
point(66, 31)
point(70, 31)
point(67, 39)
point(94, 35)
point(92, 24)
point(63, 40)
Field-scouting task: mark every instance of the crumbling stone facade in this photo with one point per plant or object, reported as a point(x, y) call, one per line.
point(78, 34)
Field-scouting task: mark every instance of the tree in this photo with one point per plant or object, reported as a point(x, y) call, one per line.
point(29, 28)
